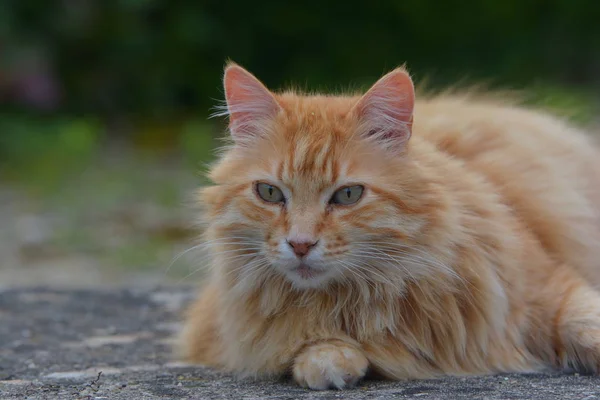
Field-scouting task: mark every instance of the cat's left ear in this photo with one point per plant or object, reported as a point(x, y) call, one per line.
point(385, 112)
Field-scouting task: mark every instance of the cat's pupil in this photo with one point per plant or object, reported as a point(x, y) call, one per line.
point(270, 190)
point(348, 192)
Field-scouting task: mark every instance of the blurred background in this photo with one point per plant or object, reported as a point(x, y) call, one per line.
point(104, 104)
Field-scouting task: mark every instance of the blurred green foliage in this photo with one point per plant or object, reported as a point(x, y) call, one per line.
point(43, 148)
point(578, 104)
point(158, 58)
point(43, 153)
point(74, 72)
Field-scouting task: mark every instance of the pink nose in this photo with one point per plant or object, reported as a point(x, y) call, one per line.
point(301, 248)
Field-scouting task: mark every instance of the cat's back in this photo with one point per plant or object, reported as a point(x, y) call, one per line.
point(546, 170)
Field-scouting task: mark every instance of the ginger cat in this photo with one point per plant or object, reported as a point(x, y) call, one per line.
point(346, 236)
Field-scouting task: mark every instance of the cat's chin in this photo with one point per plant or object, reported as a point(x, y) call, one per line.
point(306, 277)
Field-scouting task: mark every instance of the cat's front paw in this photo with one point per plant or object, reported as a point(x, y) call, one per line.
point(330, 366)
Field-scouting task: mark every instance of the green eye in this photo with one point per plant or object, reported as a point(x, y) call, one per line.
point(269, 193)
point(347, 195)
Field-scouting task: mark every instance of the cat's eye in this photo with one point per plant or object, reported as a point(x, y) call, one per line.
point(347, 195)
point(269, 193)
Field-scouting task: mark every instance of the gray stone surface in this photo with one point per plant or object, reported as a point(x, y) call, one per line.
point(115, 344)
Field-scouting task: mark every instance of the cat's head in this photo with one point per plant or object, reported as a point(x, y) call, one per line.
point(317, 189)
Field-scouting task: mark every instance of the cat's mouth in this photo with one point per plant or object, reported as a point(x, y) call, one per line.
point(305, 271)
point(304, 276)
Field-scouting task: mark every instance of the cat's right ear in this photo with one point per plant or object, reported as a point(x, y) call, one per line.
point(249, 103)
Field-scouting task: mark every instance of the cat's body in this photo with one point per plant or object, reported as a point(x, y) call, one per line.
point(474, 247)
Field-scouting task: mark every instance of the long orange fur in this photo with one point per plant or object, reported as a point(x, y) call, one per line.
point(474, 249)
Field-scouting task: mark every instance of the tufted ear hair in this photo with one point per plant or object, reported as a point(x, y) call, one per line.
point(386, 110)
point(249, 102)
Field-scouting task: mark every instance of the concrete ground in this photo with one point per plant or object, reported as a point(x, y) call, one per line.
point(115, 344)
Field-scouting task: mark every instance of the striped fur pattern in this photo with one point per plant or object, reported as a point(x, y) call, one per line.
point(474, 249)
